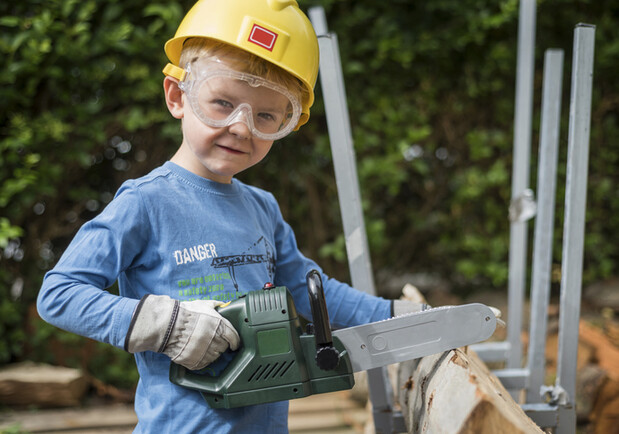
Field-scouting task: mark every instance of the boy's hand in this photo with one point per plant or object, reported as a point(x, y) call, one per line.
point(191, 333)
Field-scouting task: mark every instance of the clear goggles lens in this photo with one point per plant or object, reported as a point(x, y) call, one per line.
point(220, 97)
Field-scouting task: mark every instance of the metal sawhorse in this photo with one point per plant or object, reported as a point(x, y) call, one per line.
point(559, 411)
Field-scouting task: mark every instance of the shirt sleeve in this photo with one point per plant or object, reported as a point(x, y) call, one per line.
point(73, 295)
point(346, 306)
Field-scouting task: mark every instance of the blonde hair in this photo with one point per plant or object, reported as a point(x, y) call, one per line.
point(242, 61)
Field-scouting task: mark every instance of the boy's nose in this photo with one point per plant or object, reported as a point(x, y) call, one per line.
point(240, 124)
point(240, 129)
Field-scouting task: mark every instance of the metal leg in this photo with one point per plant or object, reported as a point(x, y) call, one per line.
point(522, 206)
point(574, 224)
point(342, 149)
point(520, 179)
point(544, 222)
point(344, 162)
point(531, 377)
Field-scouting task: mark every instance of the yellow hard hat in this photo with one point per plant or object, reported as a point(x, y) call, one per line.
point(275, 30)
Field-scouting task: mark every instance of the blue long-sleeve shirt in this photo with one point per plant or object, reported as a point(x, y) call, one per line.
point(174, 233)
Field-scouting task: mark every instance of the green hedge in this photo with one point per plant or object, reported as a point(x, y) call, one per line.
point(430, 87)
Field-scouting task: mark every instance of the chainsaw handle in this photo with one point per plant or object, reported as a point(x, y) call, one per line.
point(322, 329)
point(327, 356)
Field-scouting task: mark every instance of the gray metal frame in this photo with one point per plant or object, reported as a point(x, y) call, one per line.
point(558, 409)
point(554, 406)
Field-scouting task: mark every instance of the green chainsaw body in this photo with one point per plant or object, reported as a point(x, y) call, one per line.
point(276, 360)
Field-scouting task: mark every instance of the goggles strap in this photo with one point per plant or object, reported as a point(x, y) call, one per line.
point(174, 71)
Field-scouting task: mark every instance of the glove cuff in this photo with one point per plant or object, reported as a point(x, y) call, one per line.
point(152, 324)
point(171, 324)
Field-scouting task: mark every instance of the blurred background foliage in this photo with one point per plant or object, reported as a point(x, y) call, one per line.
point(430, 87)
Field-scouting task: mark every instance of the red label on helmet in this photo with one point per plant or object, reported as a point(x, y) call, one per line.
point(263, 37)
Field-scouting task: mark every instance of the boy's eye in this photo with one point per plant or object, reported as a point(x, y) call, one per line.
point(266, 116)
point(223, 103)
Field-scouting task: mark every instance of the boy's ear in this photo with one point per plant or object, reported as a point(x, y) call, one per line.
point(173, 97)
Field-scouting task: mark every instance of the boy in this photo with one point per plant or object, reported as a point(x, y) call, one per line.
point(188, 235)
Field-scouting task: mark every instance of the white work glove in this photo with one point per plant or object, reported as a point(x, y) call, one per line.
point(402, 307)
point(191, 333)
point(497, 313)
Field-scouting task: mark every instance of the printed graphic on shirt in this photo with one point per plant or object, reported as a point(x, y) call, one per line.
point(212, 286)
point(196, 253)
point(209, 287)
point(247, 258)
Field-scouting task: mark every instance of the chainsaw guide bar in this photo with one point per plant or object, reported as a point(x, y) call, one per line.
point(416, 335)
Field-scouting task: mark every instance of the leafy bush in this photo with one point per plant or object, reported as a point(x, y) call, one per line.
point(68, 134)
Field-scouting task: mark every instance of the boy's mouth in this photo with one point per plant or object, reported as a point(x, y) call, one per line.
point(231, 150)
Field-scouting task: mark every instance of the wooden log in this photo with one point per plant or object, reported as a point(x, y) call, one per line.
point(603, 399)
point(31, 384)
point(589, 382)
point(605, 413)
point(605, 352)
point(454, 392)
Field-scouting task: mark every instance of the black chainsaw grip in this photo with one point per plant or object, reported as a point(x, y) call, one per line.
point(322, 329)
point(327, 357)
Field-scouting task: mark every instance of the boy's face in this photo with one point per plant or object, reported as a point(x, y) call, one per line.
point(227, 122)
point(218, 153)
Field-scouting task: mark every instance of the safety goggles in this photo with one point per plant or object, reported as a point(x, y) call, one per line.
point(221, 96)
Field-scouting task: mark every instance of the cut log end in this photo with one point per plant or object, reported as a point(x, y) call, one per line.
point(455, 392)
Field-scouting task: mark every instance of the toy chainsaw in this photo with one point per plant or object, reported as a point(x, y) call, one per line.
point(277, 361)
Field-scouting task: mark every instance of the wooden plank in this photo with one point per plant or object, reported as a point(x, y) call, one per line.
point(41, 385)
point(327, 401)
point(332, 412)
point(76, 420)
point(330, 420)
